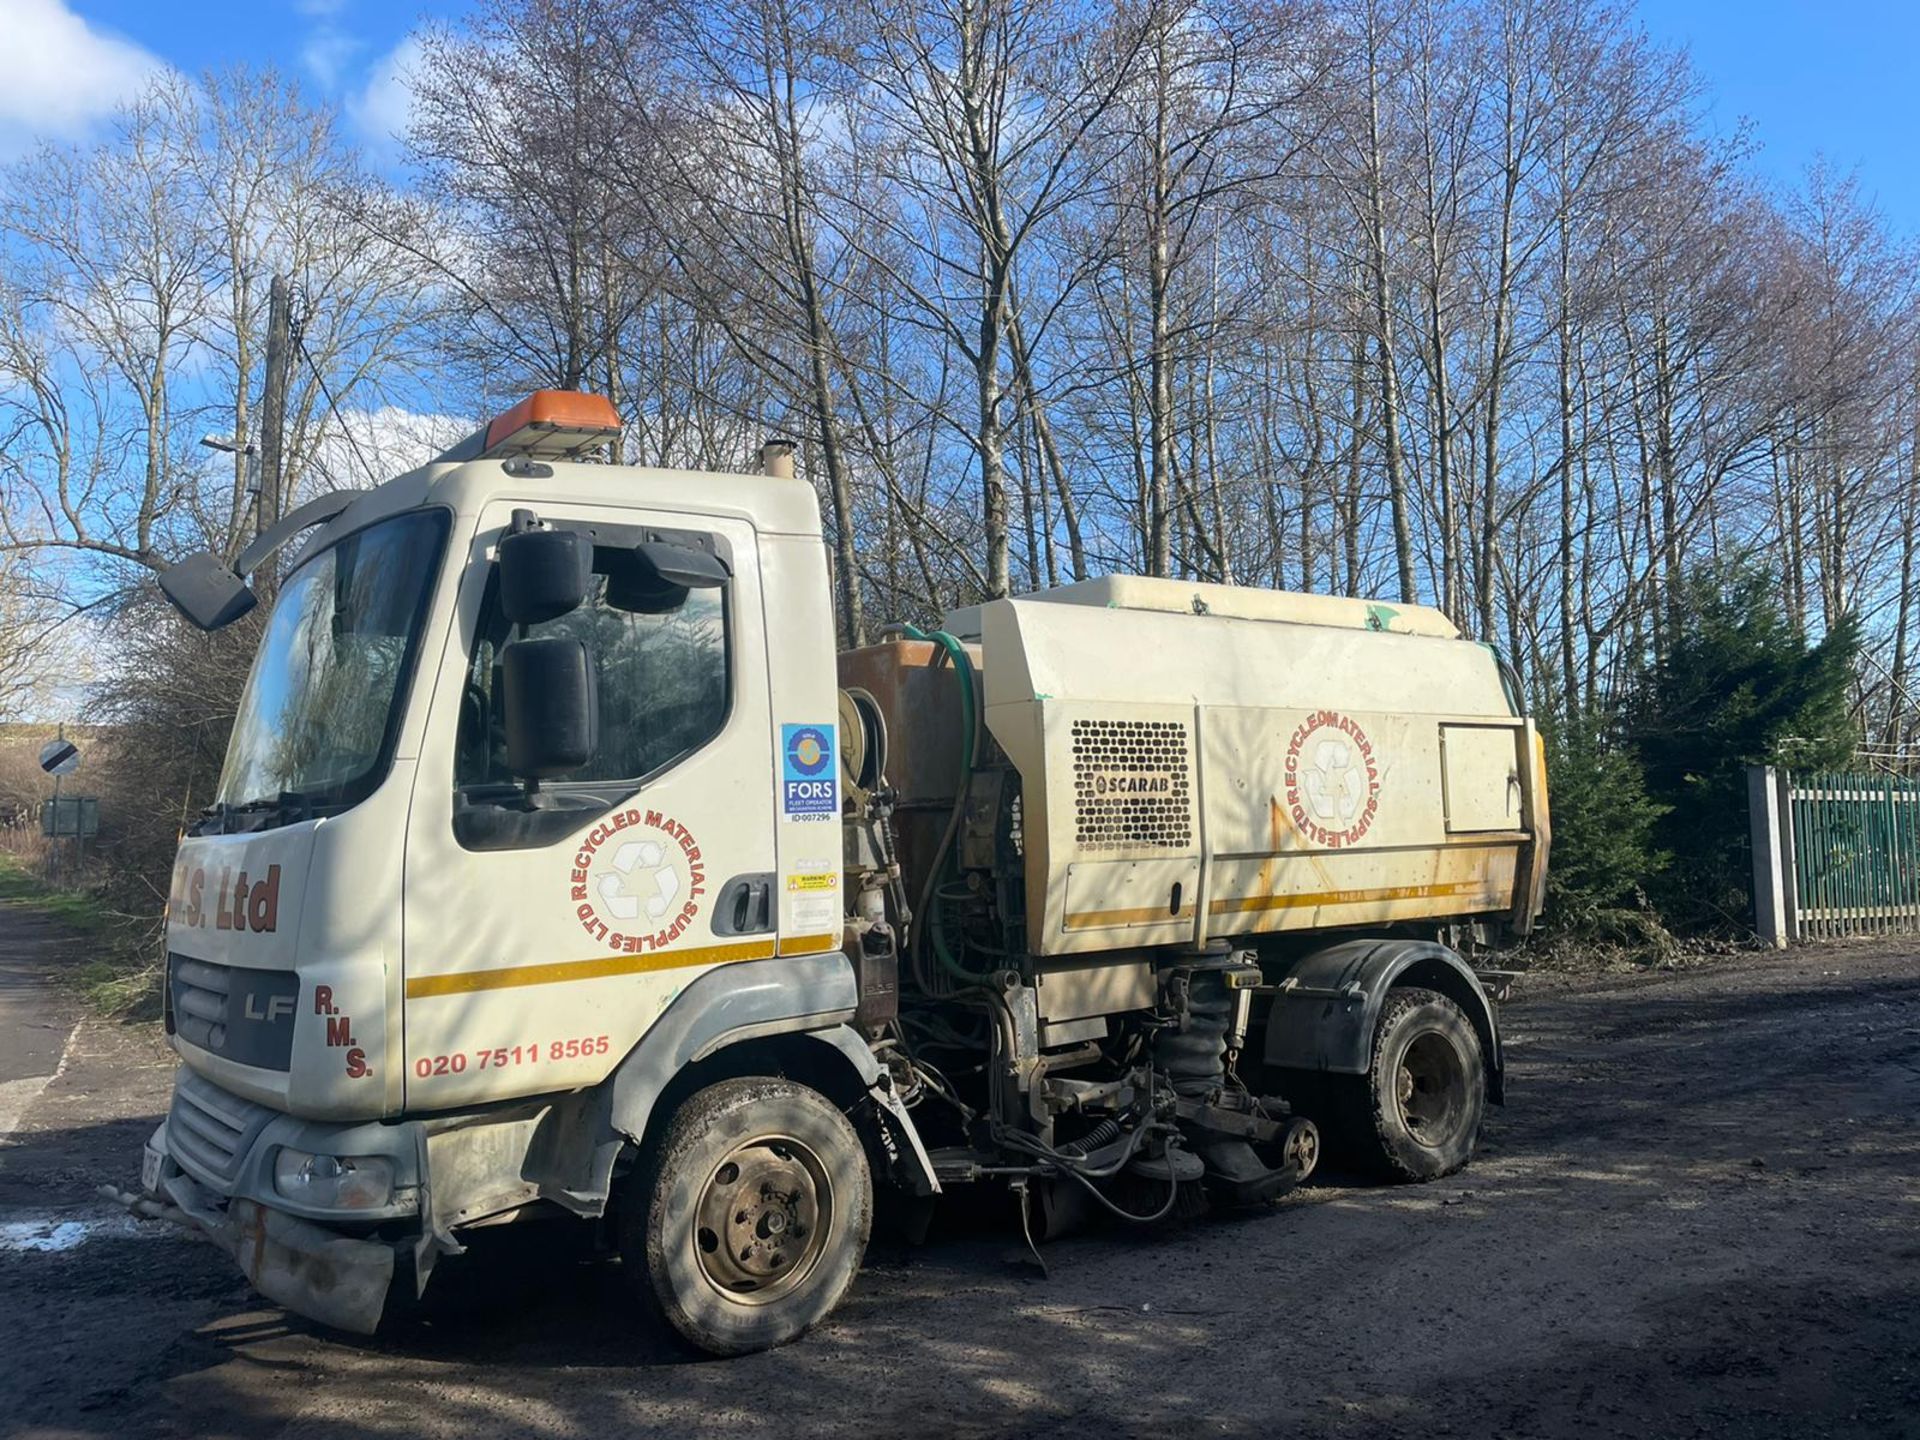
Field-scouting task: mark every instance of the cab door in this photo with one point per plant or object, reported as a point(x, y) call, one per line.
point(545, 933)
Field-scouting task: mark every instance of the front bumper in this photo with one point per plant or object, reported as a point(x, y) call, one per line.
point(319, 1273)
point(213, 1158)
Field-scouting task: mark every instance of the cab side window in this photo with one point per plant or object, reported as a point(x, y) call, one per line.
point(660, 655)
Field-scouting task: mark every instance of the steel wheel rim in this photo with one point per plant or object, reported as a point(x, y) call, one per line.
point(1430, 1089)
point(1303, 1148)
point(763, 1218)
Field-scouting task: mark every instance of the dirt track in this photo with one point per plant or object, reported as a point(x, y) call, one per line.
point(1699, 1214)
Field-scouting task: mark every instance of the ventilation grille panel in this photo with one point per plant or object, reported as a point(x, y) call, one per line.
point(210, 1132)
point(1130, 785)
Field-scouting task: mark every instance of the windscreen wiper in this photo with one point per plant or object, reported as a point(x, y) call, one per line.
point(289, 807)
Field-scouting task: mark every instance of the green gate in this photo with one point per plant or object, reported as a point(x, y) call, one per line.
point(1855, 843)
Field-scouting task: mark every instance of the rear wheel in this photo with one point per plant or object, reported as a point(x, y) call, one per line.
point(752, 1225)
point(1426, 1089)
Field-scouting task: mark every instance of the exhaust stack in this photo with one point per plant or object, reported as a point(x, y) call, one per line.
point(776, 459)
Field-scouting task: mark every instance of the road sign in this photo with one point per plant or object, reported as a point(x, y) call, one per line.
point(60, 757)
point(75, 817)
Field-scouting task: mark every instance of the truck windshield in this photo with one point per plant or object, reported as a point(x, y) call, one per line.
point(316, 723)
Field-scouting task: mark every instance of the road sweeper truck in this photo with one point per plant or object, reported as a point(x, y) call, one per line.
point(560, 867)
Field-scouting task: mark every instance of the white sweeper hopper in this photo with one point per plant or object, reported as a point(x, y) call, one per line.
point(1207, 761)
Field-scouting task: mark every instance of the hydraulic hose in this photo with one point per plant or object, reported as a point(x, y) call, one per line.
point(1085, 1177)
point(929, 931)
point(1120, 1211)
point(937, 936)
point(963, 670)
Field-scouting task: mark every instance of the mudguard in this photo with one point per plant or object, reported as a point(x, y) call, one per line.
point(1326, 1006)
point(806, 995)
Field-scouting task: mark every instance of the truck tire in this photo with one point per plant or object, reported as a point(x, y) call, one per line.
point(752, 1225)
point(1425, 1090)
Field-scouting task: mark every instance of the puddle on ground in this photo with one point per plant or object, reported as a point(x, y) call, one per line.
point(52, 1236)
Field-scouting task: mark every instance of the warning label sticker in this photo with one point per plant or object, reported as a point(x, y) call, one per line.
point(813, 899)
point(809, 784)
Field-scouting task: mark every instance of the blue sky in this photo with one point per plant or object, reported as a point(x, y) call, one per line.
point(1840, 77)
point(329, 42)
point(349, 52)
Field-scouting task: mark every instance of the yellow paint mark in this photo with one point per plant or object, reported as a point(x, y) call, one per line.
point(809, 944)
point(599, 968)
point(1311, 898)
point(1102, 919)
point(1276, 842)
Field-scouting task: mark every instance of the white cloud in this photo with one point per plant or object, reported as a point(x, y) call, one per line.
point(326, 53)
point(63, 75)
point(385, 441)
point(381, 110)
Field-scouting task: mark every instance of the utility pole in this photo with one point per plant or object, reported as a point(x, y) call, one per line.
point(53, 850)
point(273, 403)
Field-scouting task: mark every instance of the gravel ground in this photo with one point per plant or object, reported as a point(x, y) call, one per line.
point(1699, 1214)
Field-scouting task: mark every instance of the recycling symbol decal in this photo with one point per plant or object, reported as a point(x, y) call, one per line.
point(1332, 780)
point(637, 880)
point(638, 877)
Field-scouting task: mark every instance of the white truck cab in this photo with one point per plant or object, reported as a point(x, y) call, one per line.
point(397, 983)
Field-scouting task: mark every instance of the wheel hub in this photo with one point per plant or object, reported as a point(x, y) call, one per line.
point(1429, 1086)
point(762, 1219)
point(1302, 1148)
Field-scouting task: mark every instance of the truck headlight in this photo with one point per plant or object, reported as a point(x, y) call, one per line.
point(333, 1182)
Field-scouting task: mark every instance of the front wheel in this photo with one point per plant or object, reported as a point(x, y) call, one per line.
point(1426, 1089)
point(755, 1218)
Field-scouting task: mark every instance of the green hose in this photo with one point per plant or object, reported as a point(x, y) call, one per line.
point(949, 962)
point(930, 902)
point(963, 668)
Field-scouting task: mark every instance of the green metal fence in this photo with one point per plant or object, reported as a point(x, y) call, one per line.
point(1855, 844)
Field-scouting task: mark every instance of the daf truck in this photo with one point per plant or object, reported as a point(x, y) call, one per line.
point(560, 869)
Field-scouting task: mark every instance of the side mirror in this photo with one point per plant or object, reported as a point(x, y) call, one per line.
point(544, 574)
point(206, 591)
point(681, 565)
point(549, 696)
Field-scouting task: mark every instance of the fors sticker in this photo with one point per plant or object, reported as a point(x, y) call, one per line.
point(809, 781)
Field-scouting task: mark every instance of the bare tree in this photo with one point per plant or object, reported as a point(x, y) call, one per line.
point(131, 311)
point(983, 110)
point(27, 621)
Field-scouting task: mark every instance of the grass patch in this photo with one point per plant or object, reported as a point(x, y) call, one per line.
point(120, 975)
point(127, 988)
point(73, 908)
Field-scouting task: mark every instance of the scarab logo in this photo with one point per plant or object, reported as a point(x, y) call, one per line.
point(807, 750)
point(1332, 780)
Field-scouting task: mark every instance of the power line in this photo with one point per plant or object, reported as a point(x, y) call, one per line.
point(297, 330)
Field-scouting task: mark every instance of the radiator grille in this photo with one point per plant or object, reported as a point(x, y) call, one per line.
point(200, 1002)
point(1130, 784)
point(238, 1012)
point(209, 1132)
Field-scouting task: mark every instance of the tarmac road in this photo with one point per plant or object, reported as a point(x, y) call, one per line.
point(36, 1016)
point(1699, 1214)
